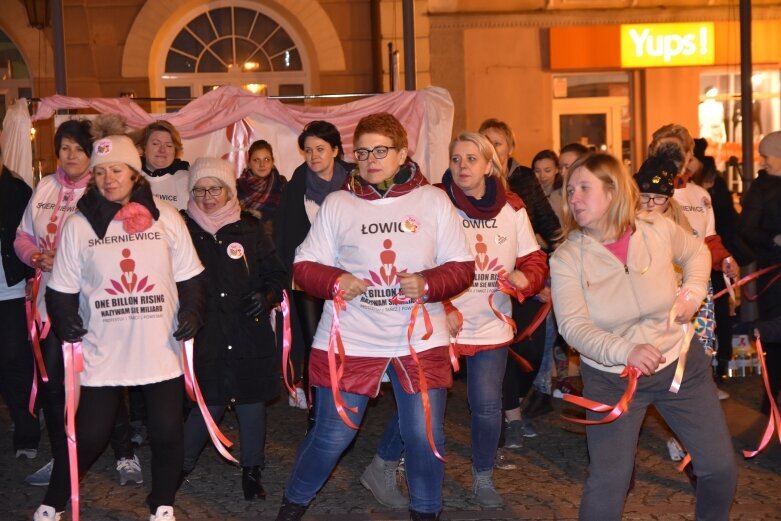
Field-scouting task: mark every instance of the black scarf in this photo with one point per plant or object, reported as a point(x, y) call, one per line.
point(171, 169)
point(99, 211)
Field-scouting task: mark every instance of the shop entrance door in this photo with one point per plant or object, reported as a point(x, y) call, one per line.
point(597, 123)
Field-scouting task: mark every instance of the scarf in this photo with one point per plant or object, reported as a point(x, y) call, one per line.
point(403, 182)
point(317, 188)
point(212, 222)
point(260, 194)
point(486, 207)
point(171, 169)
point(99, 211)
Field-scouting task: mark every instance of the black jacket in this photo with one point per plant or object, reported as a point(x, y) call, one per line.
point(727, 222)
point(236, 358)
point(523, 182)
point(760, 221)
point(14, 195)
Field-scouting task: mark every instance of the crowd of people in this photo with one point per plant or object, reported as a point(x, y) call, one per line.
point(127, 251)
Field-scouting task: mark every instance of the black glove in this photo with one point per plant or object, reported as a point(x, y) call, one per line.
point(64, 316)
point(189, 324)
point(257, 303)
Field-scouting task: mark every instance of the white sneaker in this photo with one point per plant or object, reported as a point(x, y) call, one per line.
point(676, 451)
point(27, 453)
point(46, 513)
point(130, 470)
point(299, 400)
point(723, 395)
point(163, 513)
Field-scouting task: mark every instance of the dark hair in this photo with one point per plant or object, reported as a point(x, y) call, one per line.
point(575, 148)
point(550, 154)
point(260, 144)
point(77, 130)
point(325, 131)
point(384, 124)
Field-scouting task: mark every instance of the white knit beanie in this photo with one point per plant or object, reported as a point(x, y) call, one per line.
point(771, 144)
point(213, 167)
point(115, 149)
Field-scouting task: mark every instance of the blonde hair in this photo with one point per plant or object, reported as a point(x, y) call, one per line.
point(674, 131)
point(616, 180)
point(486, 150)
point(674, 212)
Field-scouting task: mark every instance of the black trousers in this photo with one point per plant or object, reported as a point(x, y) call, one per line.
point(308, 310)
point(517, 382)
point(16, 373)
point(95, 420)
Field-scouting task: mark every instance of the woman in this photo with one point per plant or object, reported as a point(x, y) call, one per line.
point(322, 172)
point(36, 242)
point(480, 329)
point(614, 289)
point(260, 185)
point(163, 167)
point(235, 355)
point(546, 167)
point(385, 243)
point(126, 284)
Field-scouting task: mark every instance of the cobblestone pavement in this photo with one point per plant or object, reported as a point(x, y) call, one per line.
point(546, 484)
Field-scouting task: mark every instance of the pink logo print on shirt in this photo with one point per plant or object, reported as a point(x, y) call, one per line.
point(128, 280)
point(388, 274)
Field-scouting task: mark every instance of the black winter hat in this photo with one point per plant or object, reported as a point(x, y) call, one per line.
point(656, 176)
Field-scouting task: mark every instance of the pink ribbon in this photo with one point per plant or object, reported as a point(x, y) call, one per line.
point(335, 344)
point(34, 325)
point(774, 422)
point(749, 278)
point(220, 441)
point(74, 364)
point(287, 364)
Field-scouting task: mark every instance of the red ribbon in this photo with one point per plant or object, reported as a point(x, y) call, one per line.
point(538, 319)
point(74, 364)
point(614, 411)
point(335, 344)
point(220, 441)
point(774, 422)
point(34, 325)
point(749, 278)
point(287, 342)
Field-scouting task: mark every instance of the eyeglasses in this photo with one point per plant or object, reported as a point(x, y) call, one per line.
point(214, 191)
point(658, 200)
point(380, 152)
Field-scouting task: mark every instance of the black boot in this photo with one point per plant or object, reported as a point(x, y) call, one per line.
point(250, 482)
point(291, 511)
point(420, 516)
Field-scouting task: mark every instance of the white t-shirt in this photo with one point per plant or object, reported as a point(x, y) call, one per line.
point(696, 205)
point(496, 244)
point(127, 296)
point(49, 206)
point(374, 240)
point(172, 188)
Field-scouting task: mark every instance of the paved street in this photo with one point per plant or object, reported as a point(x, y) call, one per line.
point(545, 485)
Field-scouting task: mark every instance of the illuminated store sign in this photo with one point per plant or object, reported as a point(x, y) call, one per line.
point(667, 45)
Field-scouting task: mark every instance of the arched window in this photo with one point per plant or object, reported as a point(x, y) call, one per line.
point(234, 45)
point(14, 75)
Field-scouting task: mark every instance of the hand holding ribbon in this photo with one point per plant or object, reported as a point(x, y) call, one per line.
point(646, 358)
point(684, 307)
point(412, 285)
point(348, 286)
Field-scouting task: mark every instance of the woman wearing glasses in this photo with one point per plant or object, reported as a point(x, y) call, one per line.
point(235, 354)
point(260, 185)
point(385, 244)
point(322, 172)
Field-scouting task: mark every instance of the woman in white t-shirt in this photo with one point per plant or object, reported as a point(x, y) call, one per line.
point(127, 284)
point(162, 164)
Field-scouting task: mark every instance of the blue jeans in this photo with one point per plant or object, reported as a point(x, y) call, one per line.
point(325, 443)
point(485, 371)
point(542, 382)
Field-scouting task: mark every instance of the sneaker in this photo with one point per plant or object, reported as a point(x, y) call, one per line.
point(485, 493)
point(676, 451)
point(163, 513)
point(501, 462)
point(723, 395)
point(40, 478)
point(130, 470)
point(380, 479)
point(298, 400)
point(27, 453)
point(47, 513)
point(513, 438)
point(527, 428)
point(137, 434)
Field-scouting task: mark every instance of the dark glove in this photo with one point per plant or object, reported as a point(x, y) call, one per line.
point(257, 303)
point(189, 324)
point(64, 316)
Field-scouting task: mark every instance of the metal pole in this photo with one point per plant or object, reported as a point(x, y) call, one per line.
point(408, 19)
point(60, 80)
point(746, 94)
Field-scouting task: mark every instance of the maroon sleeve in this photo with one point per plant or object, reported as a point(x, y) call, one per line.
point(449, 279)
point(717, 251)
point(535, 267)
point(316, 279)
